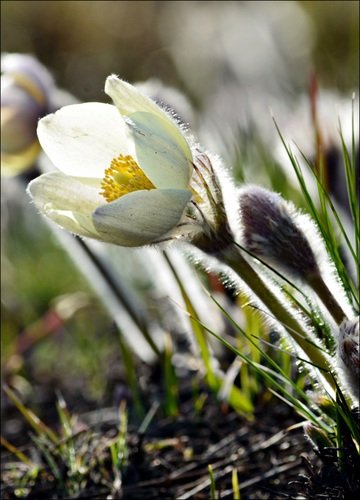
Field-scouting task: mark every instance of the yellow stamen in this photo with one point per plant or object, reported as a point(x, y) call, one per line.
point(122, 177)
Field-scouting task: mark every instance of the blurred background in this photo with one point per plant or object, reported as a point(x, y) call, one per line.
point(195, 46)
point(231, 60)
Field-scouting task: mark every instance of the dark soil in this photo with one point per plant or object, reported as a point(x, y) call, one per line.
point(170, 459)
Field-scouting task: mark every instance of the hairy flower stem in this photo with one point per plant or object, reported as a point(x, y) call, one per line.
point(327, 298)
point(294, 328)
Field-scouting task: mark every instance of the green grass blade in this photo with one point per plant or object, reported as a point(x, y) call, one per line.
point(170, 380)
point(18, 453)
point(235, 484)
point(39, 427)
point(214, 378)
point(212, 483)
point(273, 375)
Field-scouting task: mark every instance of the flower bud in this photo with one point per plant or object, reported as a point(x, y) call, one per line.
point(26, 89)
point(270, 232)
point(349, 356)
point(276, 232)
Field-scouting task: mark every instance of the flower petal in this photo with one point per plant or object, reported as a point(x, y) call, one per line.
point(74, 222)
point(160, 155)
point(128, 99)
point(66, 201)
point(161, 147)
point(82, 139)
point(141, 217)
point(64, 192)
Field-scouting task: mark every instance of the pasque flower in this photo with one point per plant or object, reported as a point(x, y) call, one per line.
point(124, 171)
point(129, 174)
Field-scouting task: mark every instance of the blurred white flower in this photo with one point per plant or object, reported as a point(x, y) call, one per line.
point(28, 92)
point(125, 172)
point(25, 89)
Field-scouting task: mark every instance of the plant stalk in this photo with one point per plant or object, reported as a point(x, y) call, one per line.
point(294, 328)
point(327, 298)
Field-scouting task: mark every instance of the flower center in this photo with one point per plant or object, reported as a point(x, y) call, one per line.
point(122, 177)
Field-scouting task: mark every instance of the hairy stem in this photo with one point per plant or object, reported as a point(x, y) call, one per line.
point(327, 298)
point(294, 328)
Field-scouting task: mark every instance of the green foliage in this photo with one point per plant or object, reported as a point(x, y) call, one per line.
point(73, 456)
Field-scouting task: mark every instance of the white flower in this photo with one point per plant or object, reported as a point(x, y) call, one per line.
point(124, 170)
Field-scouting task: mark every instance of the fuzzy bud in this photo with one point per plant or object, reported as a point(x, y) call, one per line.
point(271, 232)
point(349, 356)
